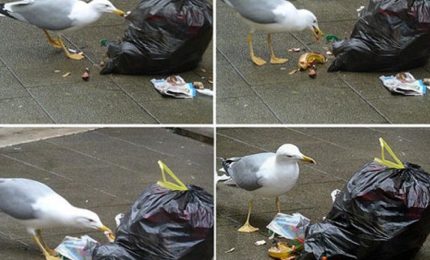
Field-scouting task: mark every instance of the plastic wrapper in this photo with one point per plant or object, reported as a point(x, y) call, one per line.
point(289, 226)
point(73, 248)
point(164, 37)
point(164, 224)
point(382, 213)
point(404, 84)
point(174, 86)
point(390, 35)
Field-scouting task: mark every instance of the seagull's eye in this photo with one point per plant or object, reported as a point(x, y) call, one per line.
point(107, 5)
point(289, 156)
point(315, 21)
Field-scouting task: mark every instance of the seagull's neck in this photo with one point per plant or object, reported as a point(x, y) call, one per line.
point(300, 21)
point(84, 13)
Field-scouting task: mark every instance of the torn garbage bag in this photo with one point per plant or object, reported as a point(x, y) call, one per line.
point(167, 221)
point(382, 213)
point(390, 35)
point(163, 37)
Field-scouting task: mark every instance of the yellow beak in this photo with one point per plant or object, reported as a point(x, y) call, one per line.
point(308, 159)
point(317, 32)
point(108, 233)
point(118, 12)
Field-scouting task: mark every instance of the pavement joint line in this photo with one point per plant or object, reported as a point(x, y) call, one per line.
point(91, 156)
point(27, 90)
point(250, 85)
point(365, 100)
point(115, 83)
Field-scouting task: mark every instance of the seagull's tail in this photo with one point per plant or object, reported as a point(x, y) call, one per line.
point(4, 11)
point(226, 163)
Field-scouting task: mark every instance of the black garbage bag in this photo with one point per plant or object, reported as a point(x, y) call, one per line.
point(382, 213)
point(164, 224)
point(392, 35)
point(164, 37)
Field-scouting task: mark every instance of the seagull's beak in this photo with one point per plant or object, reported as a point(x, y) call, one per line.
point(108, 233)
point(118, 12)
point(317, 32)
point(308, 159)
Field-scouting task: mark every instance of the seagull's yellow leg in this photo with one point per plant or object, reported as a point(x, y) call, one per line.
point(247, 227)
point(49, 254)
point(278, 204)
point(257, 60)
point(273, 58)
point(54, 42)
point(73, 56)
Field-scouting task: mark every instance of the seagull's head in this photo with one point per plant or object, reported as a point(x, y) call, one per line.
point(290, 152)
point(84, 218)
point(104, 6)
point(311, 22)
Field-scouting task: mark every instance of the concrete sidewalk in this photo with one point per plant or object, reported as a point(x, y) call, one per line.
point(103, 170)
point(31, 91)
point(338, 152)
point(249, 94)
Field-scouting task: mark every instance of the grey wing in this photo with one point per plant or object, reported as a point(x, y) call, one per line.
point(45, 14)
point(244, 171)
point(18, 195)
point(258, 11)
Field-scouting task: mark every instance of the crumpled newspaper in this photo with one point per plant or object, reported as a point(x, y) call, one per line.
point(74, 248)
point(405, 84)
point(174, 86)
point(289, 226)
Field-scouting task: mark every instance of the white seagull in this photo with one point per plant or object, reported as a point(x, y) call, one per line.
point(36, 206)
point(273, 16)
point(58, 16)
point(266, 174)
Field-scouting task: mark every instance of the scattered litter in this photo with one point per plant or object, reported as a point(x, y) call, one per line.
point(283, 68)
point(86, 75)
point(294, 50)
point(404, 83)
point(308, 59)
point(293, 71)
point(74, 248)
point(260, 242)
point(118, 218)
point(57, 71)
point(198, 85)
point(104, 42)
point(210, 81)
point(329, 53)
point(206, 92)
point(282, 251)
point(230, 250)
point(174, 86)
point(426, 81)
point(289, 226)
point(331, 38)
point(65, 75)
point(312, 72)
point(203, 70)
point(360, 10)
point(102, 64)
point(334, 194)
point(72, 50)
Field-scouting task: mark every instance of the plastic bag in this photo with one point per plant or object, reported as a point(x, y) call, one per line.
point(74, 248)
point(289, 226)
point(168, 221)
point(405, 84)
point(164, 37)
point(391, 35)
point(383, 212)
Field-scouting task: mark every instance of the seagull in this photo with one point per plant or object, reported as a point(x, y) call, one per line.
point(273, 16)
point(59, 16)
point(266, 174)
point(37, 206)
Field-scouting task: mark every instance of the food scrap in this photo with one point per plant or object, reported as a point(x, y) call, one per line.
point(282, 251)
point(86, 74)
